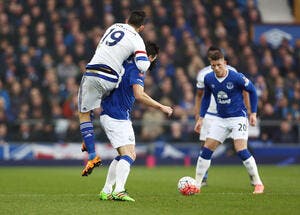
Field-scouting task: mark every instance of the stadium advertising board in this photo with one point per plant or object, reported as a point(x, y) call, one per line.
point(276, 33)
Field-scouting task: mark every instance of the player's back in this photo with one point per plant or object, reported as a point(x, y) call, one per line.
point(117, 44)
point(119, 103)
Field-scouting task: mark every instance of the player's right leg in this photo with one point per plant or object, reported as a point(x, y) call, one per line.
point(87, 133)
point(204, 160)
point(106, 192)
point(204, 180)
point(89, 98)
point(216, 134)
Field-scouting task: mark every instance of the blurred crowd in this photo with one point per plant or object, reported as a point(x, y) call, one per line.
point(45, 45)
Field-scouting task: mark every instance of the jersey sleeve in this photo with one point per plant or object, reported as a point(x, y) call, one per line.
point(247, 85)
point(200, 80)
point(206, 100)
point(232, 68)
point(140, 55)
point(137, 77)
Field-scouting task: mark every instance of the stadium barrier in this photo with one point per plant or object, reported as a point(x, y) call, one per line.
point(150, 154)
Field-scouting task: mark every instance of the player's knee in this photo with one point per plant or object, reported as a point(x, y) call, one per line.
point(211, 144)
point(240, 144)
point(202, 142)
point(84, 117)
point(128, 151)
point(133, 155)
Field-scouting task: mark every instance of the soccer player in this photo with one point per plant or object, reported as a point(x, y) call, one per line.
point(227, 88)
point(103, 73)
point(115, 120)
point(212, 109)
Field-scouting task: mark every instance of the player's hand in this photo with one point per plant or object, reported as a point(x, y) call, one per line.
point(198, 125)
point(168, 110)
point(252, 119)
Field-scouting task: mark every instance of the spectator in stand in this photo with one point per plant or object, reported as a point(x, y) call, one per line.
point(4, 135)
point(176, 133)
point(24, 133)
point(286, 133)
point(72, 134)
point(268, 113)
point(39, 36)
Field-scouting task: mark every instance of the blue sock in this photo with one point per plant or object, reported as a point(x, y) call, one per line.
point(127, 158)
point(206, 174)
point(244, 154)
point(206, 153)
point(87, 133)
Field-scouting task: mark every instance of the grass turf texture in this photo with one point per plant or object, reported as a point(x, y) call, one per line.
point(62, 190)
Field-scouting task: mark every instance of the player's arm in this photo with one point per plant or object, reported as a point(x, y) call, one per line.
point(204, 106)
point(144, 98)
point(205, 102)
point(140, 56)
point(198, 101)
point(249, 87)
point(247, 101)
point(199, 94)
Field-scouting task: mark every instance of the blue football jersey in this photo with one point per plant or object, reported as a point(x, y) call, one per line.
point(228, 94)
point(119, 103)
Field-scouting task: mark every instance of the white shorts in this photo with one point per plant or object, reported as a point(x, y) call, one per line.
point(119, 132)
point(220, 128)
point(207, 121)
point(91, 91)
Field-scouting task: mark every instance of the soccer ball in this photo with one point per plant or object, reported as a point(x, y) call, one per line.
point(187, 186)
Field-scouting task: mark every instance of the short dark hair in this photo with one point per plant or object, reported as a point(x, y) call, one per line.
point(214, 53)
point(151, 48)
point(137, 18)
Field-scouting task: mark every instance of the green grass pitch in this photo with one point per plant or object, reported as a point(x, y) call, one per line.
point(61, 190)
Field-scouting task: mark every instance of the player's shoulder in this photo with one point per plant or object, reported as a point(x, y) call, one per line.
point(205, 70)
point(209, 76)
point(202, 72)
point(232, 68)
point(238, 76)
point(129, 63)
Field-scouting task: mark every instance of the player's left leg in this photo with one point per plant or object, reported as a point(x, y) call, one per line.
point(127, 157)
point(239, 127)
point(250, 164)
